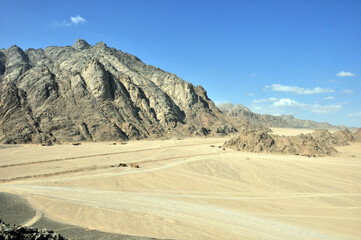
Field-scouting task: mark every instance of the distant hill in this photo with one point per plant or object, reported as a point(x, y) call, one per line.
point(285, 121)
point(316, 144)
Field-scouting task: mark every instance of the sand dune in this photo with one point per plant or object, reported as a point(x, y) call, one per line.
point(185, 189)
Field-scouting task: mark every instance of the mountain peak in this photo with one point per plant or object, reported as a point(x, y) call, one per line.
point(14, 48)
point(100, 44)
point(81, 44)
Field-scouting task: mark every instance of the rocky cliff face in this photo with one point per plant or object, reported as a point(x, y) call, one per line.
point(97, 93)
point(285, 121)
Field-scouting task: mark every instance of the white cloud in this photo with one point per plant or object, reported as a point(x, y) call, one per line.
point(286, 106)
point(347, 91)
point(286, 102)
point(345, 74)
point(265, 100)
point(299, 90)
point(250, 94)
point(253, 74)
point(355, 114)
point(329, 98)
point(77, 19)
point(73, 21)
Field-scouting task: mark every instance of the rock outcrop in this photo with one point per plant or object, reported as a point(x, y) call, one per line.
point(344, 136)
point(340, 138)
point(263, 142)
point(96, 93)
point(240, 112)
point(19, 232)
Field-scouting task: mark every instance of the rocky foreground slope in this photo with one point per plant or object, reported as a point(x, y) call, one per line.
point(97, 93)
point(240, 112)
point(9, 232)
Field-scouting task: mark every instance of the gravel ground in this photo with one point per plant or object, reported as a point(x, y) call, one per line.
point(15, 209)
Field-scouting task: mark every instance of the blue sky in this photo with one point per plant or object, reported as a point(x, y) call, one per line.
point(278, 57)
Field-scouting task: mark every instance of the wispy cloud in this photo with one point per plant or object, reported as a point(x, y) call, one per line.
point(265, 100)
point(287, 105)
point(72, 22)
point(355, 114)
point(253, 74)
point(345, 74)
point(329, 98)
point(250, 94)
point(324, 109)
point(347, 91)
point(298, 90)
point(63, 23)
point(77, 19)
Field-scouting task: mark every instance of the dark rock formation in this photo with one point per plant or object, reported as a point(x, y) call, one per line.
point(96, 93)
point(14, 232)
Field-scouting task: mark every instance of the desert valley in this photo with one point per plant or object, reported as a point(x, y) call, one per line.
point(186, 189)
point(97, 144)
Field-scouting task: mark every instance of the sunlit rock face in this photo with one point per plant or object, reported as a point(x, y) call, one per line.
point(96, 93)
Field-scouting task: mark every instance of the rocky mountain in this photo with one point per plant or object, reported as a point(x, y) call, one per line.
point(97, 93)
point(285, 121)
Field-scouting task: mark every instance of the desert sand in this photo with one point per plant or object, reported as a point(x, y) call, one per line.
point(186, 189)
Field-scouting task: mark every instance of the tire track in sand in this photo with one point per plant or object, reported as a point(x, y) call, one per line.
point(97, 155)
point(34, 220)
point(96, 167)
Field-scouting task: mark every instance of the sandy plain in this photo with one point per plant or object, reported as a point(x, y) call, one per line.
point(186, 189)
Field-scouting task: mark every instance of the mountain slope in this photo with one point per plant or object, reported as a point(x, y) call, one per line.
point(97, 93)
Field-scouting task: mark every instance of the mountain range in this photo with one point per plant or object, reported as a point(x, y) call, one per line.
point(97, 93)
point(239, 111)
